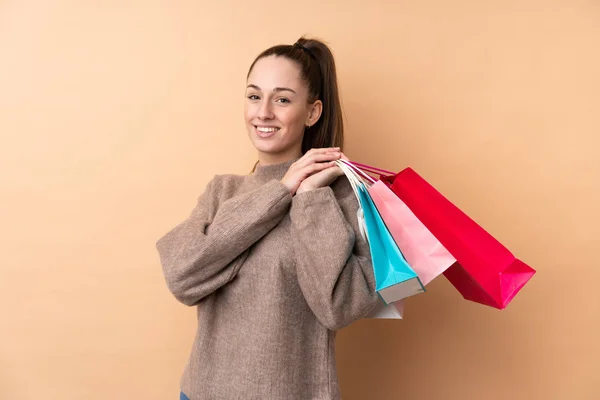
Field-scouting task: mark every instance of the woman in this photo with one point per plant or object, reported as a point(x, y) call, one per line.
point(274, 260)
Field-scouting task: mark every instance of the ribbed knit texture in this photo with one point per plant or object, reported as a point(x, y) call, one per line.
point(273, 277)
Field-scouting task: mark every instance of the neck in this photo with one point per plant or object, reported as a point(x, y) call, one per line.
point(265, 172)
point(279, 158)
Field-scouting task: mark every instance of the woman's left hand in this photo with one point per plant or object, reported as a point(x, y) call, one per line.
point(322, 178)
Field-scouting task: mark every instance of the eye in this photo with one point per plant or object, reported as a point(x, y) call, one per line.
point(283, 100)
point(253, 97)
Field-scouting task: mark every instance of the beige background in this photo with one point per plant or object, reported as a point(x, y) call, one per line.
point(114, 115)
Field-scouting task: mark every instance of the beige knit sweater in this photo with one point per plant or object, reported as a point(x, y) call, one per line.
point(273, 276)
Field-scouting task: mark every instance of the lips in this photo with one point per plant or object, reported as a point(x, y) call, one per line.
point(266, 132)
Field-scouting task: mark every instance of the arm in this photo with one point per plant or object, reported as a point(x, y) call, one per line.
point(206, 251)
point(333, 260)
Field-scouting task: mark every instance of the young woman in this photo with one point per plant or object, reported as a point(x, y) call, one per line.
point(274, 260)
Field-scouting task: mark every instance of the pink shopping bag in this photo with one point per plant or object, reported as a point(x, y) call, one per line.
point(422, 250)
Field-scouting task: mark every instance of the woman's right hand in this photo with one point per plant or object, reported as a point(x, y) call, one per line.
point(314, 161)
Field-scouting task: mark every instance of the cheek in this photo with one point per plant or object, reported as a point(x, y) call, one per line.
point(248, 112)
point(293, 117)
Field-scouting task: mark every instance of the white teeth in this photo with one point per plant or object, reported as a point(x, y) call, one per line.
point(266, 129)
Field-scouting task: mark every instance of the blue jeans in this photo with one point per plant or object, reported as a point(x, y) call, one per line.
point(182, 396)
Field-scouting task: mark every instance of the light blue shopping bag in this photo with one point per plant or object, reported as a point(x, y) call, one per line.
point(394, 278)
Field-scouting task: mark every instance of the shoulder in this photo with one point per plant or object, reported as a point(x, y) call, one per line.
point(224, 186)
point(224, 181)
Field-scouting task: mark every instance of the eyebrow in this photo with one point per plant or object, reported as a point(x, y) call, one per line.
point(277, 89)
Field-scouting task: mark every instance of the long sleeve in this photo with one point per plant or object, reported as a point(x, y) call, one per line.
point(333, 260)
point(205, 251)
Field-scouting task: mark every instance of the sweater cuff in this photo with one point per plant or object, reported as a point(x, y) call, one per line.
point(320, 195)
point(280, 191)
point(319, 204)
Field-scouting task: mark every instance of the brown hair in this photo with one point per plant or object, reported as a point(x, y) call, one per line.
point(317, 68)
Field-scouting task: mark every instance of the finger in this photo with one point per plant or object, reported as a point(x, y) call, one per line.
point(312, 169)
point(330, 150)
point(320, 157)
point(314, 155)
point(323, 150)
point(318, 150)
point(326, 165)
point(305, 157)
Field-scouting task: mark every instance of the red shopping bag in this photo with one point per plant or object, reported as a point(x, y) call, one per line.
point(486, 272)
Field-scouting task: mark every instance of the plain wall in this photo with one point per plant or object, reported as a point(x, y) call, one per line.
point(114, 116)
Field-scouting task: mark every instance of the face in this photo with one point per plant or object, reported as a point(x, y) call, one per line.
point(277, 109)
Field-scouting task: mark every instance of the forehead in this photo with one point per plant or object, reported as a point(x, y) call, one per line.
point(275, 71)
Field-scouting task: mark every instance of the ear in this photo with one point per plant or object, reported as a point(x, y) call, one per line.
point(314, 113)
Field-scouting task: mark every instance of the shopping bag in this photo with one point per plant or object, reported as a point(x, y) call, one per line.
point(423, 252)
point(486, 271)
point(394, 278)
point(394, 310)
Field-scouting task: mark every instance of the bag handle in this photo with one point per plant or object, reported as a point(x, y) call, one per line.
point(351, 175)
point(368, 168)
point(357, 170)
point(355, 181)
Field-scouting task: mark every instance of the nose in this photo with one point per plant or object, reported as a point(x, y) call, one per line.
point(265, 112)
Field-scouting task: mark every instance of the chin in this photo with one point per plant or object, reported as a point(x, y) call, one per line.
point(268, 148)
point(273, 146)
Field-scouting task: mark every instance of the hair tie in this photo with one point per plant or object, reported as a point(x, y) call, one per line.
point(305, 49)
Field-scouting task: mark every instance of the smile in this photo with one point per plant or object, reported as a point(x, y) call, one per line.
point(266, 132)
point(266, 129)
